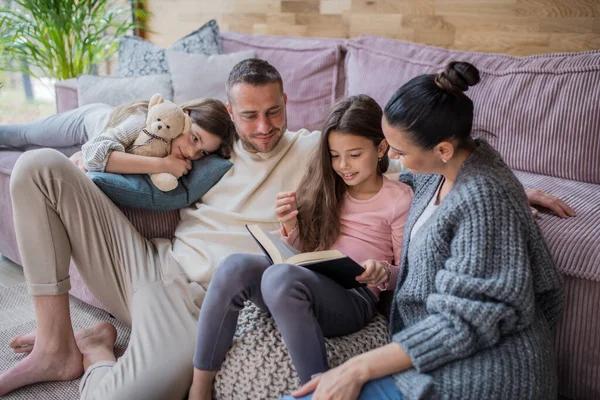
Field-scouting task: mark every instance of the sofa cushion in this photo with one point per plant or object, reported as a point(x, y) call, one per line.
point(309, 69)
point(65, 93)
point(114, 90)
point(543, 110)
point(573, 242)
point(138, 191)
point(199, 75)
point(138, 56)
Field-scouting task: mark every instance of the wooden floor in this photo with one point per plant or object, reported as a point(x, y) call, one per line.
point(10, 273)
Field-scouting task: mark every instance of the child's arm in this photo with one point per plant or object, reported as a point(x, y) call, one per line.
point(106, 152)
point(401, 208)
point(126, 163)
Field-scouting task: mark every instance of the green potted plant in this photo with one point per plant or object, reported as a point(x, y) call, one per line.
point(64, 38)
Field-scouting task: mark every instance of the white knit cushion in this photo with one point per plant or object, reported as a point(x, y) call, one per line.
point(258, 365)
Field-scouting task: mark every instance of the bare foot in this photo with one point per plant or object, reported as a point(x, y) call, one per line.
point(23, 343)
point(97, 343)
point(62, 362)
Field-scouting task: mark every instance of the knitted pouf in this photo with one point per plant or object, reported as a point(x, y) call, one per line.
point(258, 365)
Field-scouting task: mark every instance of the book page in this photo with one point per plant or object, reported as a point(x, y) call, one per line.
point(275, 248)
point(285, 250)
point(307, 258)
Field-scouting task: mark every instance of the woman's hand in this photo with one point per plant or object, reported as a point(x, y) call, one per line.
point(376, 273)
point(286, 209)
point(537, 197)
point(344, 383)
point(175, 166)
point(77, 159)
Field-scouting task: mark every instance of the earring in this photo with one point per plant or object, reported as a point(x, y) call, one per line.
point(379, 159)
point(444, 160)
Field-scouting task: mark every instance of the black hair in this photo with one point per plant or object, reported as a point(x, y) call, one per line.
point(255, 72)
point(433, 108)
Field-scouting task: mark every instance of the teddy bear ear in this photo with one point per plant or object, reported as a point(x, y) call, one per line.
point(156, 99)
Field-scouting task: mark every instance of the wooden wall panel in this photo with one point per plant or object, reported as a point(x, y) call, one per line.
point(519, 27)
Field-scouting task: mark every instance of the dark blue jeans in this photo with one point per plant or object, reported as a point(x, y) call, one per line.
point(305, 305)
point(379, 389)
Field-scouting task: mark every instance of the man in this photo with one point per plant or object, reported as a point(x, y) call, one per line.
point(155, 286)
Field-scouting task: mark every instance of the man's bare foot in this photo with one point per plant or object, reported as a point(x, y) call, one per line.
point(23, 343)
point(97, 343)
point(61, 362)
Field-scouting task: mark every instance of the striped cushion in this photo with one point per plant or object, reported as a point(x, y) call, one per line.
point(544, 109)
point(574, 242)
point(153, 224)
point(309, 69)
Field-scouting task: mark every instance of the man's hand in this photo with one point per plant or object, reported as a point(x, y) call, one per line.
point(286, 209)
point(376, 273)
point(538, 198)
point(175, 166)
point(77, 159)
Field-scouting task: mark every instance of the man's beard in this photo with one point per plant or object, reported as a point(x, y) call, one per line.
point(253, 148)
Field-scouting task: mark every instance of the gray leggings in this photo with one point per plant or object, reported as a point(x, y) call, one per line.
point(65, 132)
point(305, 305)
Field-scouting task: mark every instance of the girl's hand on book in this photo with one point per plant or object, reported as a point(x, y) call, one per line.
point(376, 273)
point(286, 209)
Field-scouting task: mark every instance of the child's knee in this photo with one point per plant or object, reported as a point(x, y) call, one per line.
point(282, 283)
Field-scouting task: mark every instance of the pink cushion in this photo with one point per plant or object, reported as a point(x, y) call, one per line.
point(544, 109)
point(309, 69)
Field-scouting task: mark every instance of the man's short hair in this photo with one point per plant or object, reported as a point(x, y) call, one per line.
point(255, 72)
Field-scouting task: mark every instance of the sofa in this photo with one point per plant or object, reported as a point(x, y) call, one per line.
point(541, 112)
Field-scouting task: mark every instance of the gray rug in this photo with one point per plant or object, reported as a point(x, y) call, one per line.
point(17, 317)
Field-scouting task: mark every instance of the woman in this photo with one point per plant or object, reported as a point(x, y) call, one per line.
point(478, 295)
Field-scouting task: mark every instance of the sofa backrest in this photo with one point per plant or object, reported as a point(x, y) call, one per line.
point(544, 110)
point(310, 69)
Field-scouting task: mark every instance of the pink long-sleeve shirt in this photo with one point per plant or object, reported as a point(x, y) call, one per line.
point(372, 229)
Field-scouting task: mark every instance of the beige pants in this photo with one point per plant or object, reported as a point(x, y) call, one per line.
point(59, 213)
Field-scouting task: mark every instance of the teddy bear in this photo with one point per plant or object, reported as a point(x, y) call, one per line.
point(165, 121)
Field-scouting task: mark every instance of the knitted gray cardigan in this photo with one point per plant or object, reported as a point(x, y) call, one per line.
point(478, 294)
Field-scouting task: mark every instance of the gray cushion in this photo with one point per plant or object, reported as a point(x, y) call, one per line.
point(137, 191)
point(199, 75)
point(139, 57)
point(115, 90)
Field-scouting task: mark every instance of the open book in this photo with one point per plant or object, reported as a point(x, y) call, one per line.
point(331, 263)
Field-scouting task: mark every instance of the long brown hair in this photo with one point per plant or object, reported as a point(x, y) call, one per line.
point(209, 114)
point(322, 190)
point(212, 116)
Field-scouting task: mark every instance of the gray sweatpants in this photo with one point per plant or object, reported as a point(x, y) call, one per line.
point(65, 131)
point(59, 213)
point(306, 306)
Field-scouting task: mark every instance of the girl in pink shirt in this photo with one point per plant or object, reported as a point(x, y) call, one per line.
point(344, 202)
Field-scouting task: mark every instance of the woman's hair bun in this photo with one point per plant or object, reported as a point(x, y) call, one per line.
point(457, 77)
